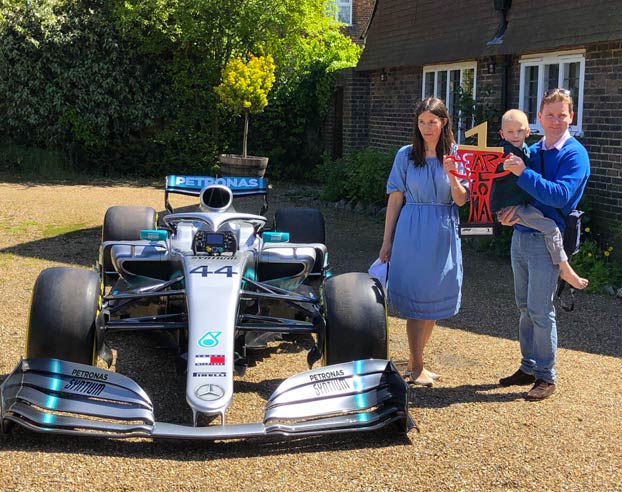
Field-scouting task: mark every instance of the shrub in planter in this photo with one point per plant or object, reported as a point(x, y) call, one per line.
point(243, 91)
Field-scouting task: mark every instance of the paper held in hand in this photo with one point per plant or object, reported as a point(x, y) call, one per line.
point(380, 271)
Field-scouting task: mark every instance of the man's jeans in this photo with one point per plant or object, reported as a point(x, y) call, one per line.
point(535, 282)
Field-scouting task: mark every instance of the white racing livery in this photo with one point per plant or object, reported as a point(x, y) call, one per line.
point(220, 283)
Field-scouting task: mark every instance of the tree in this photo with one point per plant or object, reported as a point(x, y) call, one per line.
point(127, 85)
point(245, 86)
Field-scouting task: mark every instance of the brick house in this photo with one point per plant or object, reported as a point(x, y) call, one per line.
point(502, 54)
point(355, 14)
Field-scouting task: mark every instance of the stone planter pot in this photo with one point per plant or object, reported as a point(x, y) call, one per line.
point(236, 165)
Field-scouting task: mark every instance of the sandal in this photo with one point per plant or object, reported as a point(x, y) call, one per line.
point(408, 377)
point(433, 376)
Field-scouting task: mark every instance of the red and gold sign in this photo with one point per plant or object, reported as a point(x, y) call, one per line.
point(480, 163)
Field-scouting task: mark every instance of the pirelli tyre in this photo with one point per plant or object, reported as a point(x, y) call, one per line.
point(124, 223)
point(65, 303)
point(356, 319)
point(305, 225)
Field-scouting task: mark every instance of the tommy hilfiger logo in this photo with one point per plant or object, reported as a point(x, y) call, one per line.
point(209, 360)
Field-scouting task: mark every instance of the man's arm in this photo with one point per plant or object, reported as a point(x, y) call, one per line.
point(564, 186)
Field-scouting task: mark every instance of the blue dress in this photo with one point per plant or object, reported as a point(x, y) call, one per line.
point(425, 269)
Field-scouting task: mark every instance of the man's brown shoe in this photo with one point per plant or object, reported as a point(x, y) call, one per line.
point(519, 378)
point(540, 391)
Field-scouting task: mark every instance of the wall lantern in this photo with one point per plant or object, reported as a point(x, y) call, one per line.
point(383, 75)
point(491, 66)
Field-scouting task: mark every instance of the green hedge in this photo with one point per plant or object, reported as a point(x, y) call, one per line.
point(126, 86)
point(361, 175)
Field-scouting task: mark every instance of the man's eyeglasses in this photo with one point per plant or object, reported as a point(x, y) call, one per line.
point(557, 90)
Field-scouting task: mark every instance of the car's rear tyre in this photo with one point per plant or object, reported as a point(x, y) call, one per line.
point(124, 223)
point(64, 306)
point(356, 320)
point(305, 225)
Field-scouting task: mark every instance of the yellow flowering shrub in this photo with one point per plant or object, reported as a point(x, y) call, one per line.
point(245, 85)
point(593, 261)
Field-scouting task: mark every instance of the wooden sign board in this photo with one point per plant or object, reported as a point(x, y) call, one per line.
point(480, 163)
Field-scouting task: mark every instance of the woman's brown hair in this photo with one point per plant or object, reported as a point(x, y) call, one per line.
point(445, 141)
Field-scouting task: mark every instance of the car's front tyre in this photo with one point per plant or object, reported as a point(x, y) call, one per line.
point(356, 320)
point(65, 303)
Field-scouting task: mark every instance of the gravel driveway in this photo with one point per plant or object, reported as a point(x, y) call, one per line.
point(473, 435)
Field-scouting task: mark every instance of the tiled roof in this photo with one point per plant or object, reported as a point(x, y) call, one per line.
point(419, 32)
point(552, 24)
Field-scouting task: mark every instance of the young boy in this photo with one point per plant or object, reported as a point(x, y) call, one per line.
point(506, 193)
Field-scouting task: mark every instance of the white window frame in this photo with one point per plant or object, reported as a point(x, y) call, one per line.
point(343, 3)
point(436, 69)
point(558, 58)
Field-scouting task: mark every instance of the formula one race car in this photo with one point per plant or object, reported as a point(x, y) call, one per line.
point(219, 282)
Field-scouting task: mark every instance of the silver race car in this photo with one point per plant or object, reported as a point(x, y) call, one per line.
point(218, 282)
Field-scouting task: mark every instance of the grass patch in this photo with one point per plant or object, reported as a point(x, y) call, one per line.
point(19, 228)
point(46, 230)
point(9, 261)
point(6, 258)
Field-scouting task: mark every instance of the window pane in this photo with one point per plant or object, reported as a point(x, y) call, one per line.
point(441, 85)
point(454, 87)
point(429, 85)
point(343, 14)
point(551, 77)
point(467, 119)
point(468, 76)
point(530, 90)
point(571, 82)
point(571, 76)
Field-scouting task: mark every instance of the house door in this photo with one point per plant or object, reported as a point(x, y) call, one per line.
point(338, 124)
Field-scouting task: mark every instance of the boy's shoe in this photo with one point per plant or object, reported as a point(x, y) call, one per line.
point(540, 391)
point(519, 378)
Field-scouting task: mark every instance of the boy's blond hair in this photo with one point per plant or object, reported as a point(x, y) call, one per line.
point(515, 115)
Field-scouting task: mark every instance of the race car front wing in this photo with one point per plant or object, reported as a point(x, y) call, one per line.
point(55, 396)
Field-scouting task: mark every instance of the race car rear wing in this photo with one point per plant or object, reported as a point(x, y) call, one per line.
point(239, 186)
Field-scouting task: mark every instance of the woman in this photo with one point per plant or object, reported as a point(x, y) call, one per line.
point(425, 277)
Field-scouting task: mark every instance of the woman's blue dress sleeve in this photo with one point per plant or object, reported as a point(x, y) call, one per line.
point(397, 177)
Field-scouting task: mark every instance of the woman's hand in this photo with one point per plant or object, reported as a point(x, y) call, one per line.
point(514, 164)
point(385, 251)
point(458, 192)
point(450, 164)
point(507, 217)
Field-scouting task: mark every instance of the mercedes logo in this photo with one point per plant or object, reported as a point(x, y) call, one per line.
point(209, 392)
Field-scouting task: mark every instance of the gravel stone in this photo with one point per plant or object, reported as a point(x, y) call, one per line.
point(473, 435)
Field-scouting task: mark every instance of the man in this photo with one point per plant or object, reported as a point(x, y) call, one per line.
point(556, 180)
